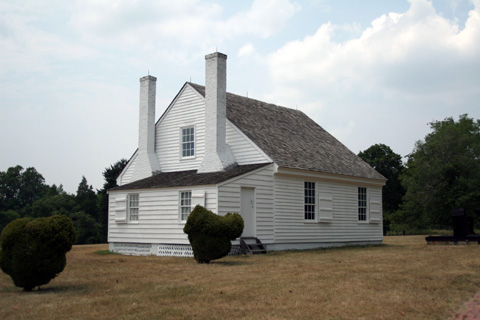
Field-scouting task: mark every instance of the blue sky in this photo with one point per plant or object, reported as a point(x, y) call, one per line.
point(367, 71)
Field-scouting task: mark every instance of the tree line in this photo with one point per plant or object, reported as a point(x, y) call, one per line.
point(441, 173)
point(24, 193)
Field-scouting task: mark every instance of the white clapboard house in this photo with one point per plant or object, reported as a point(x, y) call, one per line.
point(296, 186)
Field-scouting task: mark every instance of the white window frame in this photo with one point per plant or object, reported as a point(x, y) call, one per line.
point(184, 204)
point(362, 200)
point(182, 142)
point(133, 207)
point(309, 201)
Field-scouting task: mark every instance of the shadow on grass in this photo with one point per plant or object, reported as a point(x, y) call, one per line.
point(105, 253)
point(230, 263)
point(47, 289)
point(330, 249)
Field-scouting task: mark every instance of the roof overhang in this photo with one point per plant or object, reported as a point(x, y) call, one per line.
point(190, 178)
point(308, 174)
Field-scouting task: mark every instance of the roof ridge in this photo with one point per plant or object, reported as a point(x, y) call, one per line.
point(202, 92)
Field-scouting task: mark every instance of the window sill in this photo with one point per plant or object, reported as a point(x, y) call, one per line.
point(187, 158)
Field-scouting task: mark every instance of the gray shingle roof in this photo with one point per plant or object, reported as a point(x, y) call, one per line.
point(188, 178)
point(292, 139)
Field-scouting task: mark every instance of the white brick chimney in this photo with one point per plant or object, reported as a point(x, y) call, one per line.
point(218, 155)
point(147, 161)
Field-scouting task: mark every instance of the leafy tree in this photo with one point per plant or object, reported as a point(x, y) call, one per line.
point(86, 198)
point(88, 230)
point(32, 187)
point(389, 164)
point(54, 190)
point(443, 172)
point(110, 175)
point(19, 187)
point(10, 183)
point(33, 251)
point(62, 203)
point(23, 193)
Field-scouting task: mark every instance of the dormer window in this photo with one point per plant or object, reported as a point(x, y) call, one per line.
point(188, 142)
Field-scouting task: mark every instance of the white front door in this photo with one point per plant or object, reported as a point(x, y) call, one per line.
point(247, 210)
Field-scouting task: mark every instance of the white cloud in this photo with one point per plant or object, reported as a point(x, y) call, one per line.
point(399, 52)
point(26, 48)
point(263, 19)
point(190, 23)
point(246, 50)
point(142, 23)
point(416, 59)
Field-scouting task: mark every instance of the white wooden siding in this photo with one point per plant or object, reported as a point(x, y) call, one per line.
point(126, 175)
point(187, 110)
point(290, 226)
point(262, 181)
point(243, 149)
point(158, 218)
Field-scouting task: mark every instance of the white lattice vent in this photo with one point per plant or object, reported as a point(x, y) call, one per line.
point(133, 249)
point(179, 250)
point(163, 250)
point(175, 250)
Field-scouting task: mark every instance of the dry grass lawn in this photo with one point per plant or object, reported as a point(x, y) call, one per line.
point(403, 279)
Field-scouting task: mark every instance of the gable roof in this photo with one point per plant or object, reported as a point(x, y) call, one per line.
point(189, 178)
point(291, 139)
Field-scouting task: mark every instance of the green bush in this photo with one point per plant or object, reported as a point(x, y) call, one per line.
point(210, 235)
point(6, 217)
point(32, 251)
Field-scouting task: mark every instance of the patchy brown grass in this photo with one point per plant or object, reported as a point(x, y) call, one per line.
point(403, 279)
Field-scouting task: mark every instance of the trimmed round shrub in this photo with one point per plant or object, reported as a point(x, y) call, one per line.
point(210, 235)
point(32, 251)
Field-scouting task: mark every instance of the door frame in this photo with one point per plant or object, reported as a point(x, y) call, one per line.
point(249, 218)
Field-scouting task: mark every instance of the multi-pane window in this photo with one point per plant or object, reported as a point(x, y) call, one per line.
point(185, 204)
point(133, 207)
point(309, 188)
point(188, 142)
point(362, 204)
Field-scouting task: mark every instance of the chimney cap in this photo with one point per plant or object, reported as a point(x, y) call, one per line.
point(216, 55)
point(149, 77)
